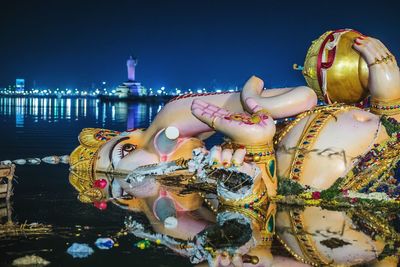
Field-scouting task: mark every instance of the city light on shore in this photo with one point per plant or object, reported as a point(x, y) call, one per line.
point(130, 89)
point(76, 92)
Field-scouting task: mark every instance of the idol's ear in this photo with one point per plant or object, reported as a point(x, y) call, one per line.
point(169, 145)
point(166, 140)
point(165, 211)
point(280, 103)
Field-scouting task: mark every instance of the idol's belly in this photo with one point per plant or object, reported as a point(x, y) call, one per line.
point(323, 146)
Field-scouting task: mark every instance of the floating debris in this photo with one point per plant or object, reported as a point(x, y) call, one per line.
point(51, 160)
point(16, 229)
point(143, 244)
point(31, 260)
point(78, 250)
point(56, 159)
point(33, 161)
point(64, 159)
point(19, 161)
point(6, 177)
point(104, 243)
point(36, 161)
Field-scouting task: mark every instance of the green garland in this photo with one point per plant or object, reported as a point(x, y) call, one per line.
point(332, 192)
point(391, 125)
point(287, 187)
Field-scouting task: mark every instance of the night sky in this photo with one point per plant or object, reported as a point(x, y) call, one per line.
point(185, 44)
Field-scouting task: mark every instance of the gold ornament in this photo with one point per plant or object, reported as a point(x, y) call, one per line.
point(336, 71)
point(260, 154)
point(90, 195)
point(83, 161)
point(385, 107)
point(386, 59)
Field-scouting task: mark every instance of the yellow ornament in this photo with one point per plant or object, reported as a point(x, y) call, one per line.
point(335, 70)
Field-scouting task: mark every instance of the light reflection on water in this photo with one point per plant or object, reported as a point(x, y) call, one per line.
point(66, 109)
point(39, 127)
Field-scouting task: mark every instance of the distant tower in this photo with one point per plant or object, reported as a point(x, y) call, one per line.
point(131, 87)
point(131, 64)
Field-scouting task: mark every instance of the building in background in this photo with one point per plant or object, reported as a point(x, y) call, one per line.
point(19, 85)
point(131, 87)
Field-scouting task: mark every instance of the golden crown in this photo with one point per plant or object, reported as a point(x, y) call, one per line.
point(83, 160)
point(334, 70)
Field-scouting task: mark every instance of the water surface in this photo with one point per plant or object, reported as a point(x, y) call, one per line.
point(39, 127)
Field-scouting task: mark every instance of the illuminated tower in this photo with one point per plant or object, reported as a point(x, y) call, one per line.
point(130, 88)
point(131, 65)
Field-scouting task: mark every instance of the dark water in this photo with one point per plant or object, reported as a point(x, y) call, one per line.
point(38, 127)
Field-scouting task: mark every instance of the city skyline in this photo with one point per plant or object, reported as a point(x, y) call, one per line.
point(201, 44)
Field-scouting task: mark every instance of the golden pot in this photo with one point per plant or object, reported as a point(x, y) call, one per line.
point(335, 70)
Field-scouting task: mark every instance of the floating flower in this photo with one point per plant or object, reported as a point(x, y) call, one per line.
point(353, 200)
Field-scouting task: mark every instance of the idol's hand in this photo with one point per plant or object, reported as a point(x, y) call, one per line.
point(228, 158)
point(223, 259)
point(384, 75)
point(243, 128)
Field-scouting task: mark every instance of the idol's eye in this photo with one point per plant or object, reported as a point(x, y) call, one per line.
point(128, 148)
point(120, 151)
point(125, 149)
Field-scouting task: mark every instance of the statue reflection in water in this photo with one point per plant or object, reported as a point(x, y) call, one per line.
point(219, 234)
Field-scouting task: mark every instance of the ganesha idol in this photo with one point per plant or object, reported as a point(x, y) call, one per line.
point(320, 145)
point(317, 147)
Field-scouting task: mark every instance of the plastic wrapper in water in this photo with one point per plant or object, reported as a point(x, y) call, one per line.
point(30, 260)
point(104, 243)
point(78, 250)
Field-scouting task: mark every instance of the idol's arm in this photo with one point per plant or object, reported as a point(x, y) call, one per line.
point(280, 103)
point(177, 113)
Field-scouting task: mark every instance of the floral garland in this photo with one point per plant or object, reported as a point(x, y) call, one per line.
point(392, 125)
point(375, 171)
point(292, 193)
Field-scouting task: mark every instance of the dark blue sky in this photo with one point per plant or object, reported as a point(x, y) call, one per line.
point(184, 43)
